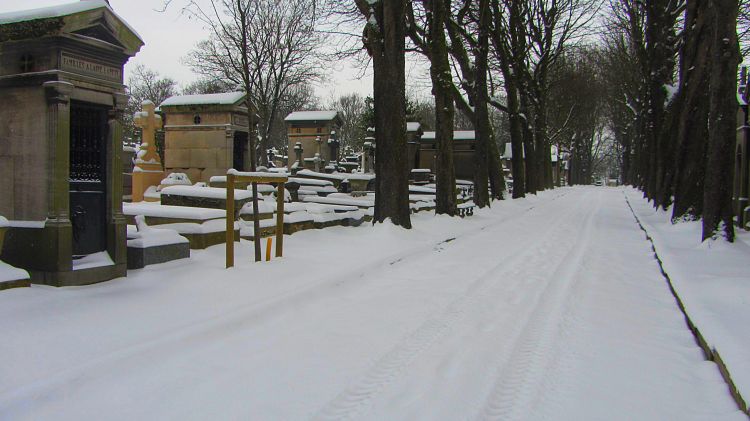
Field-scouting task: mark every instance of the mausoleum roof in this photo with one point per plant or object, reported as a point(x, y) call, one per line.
point(79, 18)
point(324, 115)
point(230, 98)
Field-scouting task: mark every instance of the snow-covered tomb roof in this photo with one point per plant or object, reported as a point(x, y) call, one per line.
point(325, 115)
point(230, 98)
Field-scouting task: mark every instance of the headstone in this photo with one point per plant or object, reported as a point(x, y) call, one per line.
point(61, 84)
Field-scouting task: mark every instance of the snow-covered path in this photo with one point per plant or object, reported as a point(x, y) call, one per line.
point(550, 307)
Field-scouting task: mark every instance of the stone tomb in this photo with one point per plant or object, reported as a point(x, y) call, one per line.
point(61, 84)
point(205, 135)
point(464, 144)
point(316, 133)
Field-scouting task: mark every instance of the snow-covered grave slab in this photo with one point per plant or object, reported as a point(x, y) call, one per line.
point(330, 219)
point(712, 279)
point(220, 181)
point(422, 190)
point(148, 246)
point(205, 234)
point(357, 181)
point(310, 181)
point(157, 214)
point(344, 201)
point(203, 197)
point(266, 209)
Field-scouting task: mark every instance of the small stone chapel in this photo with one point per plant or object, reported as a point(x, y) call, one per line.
point(61, 84)
point(205, 135)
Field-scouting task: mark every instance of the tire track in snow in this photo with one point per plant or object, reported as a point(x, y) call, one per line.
point(521, 377)
point(352, 401)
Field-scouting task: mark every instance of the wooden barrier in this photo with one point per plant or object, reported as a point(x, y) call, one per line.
point(254, 177)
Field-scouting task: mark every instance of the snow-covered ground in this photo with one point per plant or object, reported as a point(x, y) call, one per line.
point(550, 307)
point(712, 280)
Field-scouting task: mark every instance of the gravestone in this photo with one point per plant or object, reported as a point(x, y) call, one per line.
point(147, 171)
point(61, 84)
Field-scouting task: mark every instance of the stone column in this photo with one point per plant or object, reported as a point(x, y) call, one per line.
point(56, 251)
point(117, 230)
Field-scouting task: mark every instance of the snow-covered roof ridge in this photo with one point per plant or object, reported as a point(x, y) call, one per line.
point(320, 115)
point(413, 126)
point(60, 11)
point(52, 11)
point(229, 98)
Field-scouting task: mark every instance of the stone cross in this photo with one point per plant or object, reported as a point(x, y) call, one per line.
point(149, 122)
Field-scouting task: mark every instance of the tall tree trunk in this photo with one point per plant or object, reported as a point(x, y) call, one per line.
point(481, 113)
point(530, 159)
point(692, 127)
point(497, 178)
point(385, 40)
point(725, 57)
point(442, 90)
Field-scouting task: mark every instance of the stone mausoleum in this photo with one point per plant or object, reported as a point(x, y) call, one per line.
point(205, 135)
point(61, 85)
point(464, 145)
point(316, 133)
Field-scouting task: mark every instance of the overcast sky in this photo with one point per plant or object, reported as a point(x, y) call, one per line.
point(169, 36)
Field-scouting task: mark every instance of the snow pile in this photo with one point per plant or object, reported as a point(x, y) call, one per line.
point(176, 179)
point(713, 281)
point(146, 236)
point(94, 260)
point(263, 207)
point(11, 273)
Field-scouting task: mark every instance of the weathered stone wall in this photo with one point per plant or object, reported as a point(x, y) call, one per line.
point(199, 153)
point(23, 154)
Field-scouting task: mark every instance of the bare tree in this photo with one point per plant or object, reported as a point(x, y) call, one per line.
point(145, 84)
point(280, 45)
point(351, 107)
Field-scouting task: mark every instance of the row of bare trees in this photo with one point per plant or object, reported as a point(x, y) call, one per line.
point(483, 55)
point(672, 103)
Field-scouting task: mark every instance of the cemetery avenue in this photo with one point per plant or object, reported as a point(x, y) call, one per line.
point(546, 307)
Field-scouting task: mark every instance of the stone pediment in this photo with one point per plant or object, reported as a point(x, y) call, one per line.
point(92, 19)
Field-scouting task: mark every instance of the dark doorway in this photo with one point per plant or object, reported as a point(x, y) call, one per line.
point(239, 151)
point(88, 173)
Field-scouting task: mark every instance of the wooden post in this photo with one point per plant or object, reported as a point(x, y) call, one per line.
point(269, 240)
point(280, 219)
point(230, 221)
